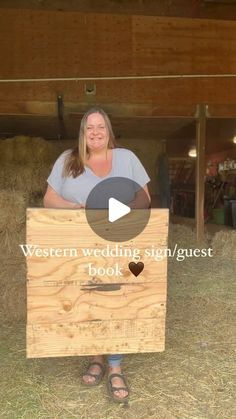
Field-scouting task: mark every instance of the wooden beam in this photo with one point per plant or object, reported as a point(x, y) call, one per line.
point(157, 98)
point(200, 169)
point(74, 110)
point(180, 8)
point(223, 111)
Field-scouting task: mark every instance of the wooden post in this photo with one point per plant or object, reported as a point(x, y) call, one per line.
point(201, 115)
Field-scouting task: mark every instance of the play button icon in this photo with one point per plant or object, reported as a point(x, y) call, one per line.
point(109, 210)
point(116, 210)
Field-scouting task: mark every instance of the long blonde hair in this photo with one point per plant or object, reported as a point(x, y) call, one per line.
point(75, 161)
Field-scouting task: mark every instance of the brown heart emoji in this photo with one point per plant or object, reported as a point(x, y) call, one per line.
point(136, 268)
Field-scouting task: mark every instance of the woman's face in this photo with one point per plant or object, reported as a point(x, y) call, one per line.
point(96, 133)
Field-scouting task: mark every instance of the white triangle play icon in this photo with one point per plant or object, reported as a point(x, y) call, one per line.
point(116, 210)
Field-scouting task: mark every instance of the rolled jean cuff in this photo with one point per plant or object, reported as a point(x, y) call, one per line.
point(115, 360)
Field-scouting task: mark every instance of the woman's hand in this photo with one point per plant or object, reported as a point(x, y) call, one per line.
point(53, 200)
point(142, 199)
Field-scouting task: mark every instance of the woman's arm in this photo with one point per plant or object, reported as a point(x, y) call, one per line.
point(53, 200)
point(142, 199)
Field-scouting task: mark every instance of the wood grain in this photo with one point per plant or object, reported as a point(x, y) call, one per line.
point(221, 9)
point(68, 229)
point(90, 338)
point(70, 312)
point(126, 45)
point(90, 303)
point(175, 97)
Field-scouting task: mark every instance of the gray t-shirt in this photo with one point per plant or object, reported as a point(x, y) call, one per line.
point(124, 164)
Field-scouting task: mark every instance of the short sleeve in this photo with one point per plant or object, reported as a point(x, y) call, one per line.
point(139, 173)
point(55, 179)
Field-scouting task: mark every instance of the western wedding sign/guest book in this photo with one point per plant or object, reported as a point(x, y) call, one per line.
point(95, 286)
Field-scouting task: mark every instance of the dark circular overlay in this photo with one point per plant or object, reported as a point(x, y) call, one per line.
point(97, 209)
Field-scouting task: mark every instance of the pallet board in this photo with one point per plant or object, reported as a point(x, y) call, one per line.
point(71, 311)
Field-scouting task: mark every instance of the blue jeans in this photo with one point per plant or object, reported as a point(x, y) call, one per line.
point(114, 360)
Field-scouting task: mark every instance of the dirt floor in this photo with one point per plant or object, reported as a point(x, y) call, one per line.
point(192, 379)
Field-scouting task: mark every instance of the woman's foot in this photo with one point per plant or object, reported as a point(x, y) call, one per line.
point(95, 371)
point(116, 380)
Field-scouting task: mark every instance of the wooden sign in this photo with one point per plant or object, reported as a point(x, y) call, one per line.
point(88, 296)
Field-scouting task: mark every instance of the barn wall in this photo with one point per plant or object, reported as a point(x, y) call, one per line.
point(72, 44)
point(54, 44)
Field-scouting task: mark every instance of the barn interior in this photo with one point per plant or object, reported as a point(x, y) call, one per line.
point(165, 74)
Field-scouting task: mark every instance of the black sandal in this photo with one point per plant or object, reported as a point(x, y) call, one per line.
point(97, 377)
point(112, 389)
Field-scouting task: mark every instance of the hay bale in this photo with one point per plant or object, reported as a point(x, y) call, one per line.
point(13, 303)
point(182, 235)
point(36, 200)
point(185, 236)
point(224, 245)
point(27, 150)
point(12, 220)
point(25, 165)
point(13, 289)
point(24, 178)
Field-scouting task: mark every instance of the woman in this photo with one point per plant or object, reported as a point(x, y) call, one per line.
point(73, 176)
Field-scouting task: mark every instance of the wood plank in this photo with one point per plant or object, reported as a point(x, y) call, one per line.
point(181, 8)
point(75, 271)
point(159, 97)
point(68, 231)
point(53, 39)
point(72, 311)
point(89, 303)
point(74, 110)
point(126, 45)
point(181, 46)
point(90, 338)
point(222, 111)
